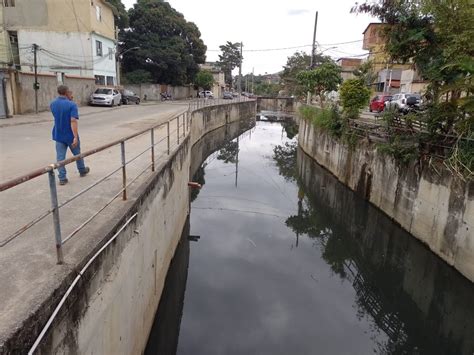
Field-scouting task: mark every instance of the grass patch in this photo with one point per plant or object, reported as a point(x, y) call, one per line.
point(328, 119)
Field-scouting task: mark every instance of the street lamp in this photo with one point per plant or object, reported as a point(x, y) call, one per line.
point(119, 57)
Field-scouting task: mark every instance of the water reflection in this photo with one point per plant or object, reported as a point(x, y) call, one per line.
point(292, 262)
point(424, 306)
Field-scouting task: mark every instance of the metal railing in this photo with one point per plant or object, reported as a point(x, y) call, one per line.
point(205, 102)
point(178, 127)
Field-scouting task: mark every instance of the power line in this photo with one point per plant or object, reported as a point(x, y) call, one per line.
point(302, 46)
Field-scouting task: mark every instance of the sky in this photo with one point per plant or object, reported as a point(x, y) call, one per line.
point(273, 24)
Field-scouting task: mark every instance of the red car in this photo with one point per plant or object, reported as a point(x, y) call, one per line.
point(378, 102)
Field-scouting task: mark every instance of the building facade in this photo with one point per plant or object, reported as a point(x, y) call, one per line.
point(348, 65)
point(389, 73)
point(73, 41)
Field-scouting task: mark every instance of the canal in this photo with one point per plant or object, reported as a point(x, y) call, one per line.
point(278, 257)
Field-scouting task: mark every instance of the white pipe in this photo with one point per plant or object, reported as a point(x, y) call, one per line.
point(69, 290)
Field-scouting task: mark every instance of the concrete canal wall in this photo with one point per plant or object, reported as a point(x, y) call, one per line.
point(435, 207)
point(112, 307)
point(378, 252)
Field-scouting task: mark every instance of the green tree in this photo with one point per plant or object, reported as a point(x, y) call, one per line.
point(120, 14)
point(204, 79)
point(138, 76)
point(354, 96)
point(295, 64)
point(229, 59)
point(170, 48)
point(325, 78)
point(365, 72)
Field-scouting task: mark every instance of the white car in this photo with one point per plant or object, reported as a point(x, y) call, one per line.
point(207, 94)
point(399, 101)
point(106, 97)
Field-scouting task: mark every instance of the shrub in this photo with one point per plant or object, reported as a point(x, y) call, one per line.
point(354, 95)
point(329, 119)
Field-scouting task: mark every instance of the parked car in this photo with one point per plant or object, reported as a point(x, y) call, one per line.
point(106, 97)
point(228, 95)
point(206, 93)
point(130, 97)
point(399, 102)
point(377, 104)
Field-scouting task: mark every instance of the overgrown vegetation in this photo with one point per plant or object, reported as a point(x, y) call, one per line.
point(328, 119)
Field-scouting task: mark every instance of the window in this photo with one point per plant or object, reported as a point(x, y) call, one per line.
point(103, 91)
point(98, 13)
point(110, 80)
point(99, 80)
point(111, 53)
point(98, 48)
point(9, 3)
point(60, 77)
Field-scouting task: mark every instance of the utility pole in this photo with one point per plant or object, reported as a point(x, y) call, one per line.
point(117, 57)
point(239, 85)
point(313, 52)
point(252, 81)
point(35, 84)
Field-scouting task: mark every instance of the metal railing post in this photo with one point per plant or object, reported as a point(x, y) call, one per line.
point(168, 136)
point(177, 128)
point(184, 125)
point(124, 171)
point(55, 210)
point(152, 149)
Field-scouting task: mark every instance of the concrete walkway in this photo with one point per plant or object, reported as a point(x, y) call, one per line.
point(29, 273)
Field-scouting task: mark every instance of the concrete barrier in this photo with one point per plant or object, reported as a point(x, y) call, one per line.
point(435, 207)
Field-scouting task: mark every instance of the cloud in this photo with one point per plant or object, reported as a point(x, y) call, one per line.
point(297, 12)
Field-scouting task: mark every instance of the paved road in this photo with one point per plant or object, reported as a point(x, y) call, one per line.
point(25, 147)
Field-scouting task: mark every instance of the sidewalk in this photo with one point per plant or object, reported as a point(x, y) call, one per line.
point(45, 116)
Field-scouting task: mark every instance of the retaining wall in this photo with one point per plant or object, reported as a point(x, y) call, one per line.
point(153, 91)
point(24, 95)
point(111, 309)
point(435, 207)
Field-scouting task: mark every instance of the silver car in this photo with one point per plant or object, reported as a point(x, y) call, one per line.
point(399, 101)
point(106, 97)
point(207, 94)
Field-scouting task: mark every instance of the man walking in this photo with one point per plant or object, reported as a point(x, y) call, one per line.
point(65, 131)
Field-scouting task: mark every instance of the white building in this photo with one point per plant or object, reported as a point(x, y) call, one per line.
point(75, 38)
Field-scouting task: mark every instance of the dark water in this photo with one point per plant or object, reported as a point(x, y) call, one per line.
point(286, 260)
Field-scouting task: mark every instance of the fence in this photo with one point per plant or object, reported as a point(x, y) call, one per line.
point(413, 134)
point(205, 102)
point(165, 136)
point(174, 130)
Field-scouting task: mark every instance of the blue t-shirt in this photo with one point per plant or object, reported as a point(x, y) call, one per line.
point(63, 110)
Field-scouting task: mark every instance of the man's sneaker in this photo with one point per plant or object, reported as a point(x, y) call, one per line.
point(63, 182)
point(85, 171)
